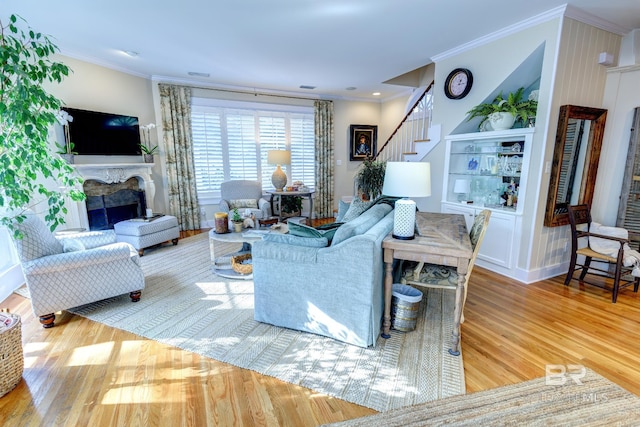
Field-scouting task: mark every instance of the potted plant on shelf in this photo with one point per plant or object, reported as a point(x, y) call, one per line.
point(503, 112)
point(145, 146)
point(237, 220)
point(28, 112)
point(370, 178)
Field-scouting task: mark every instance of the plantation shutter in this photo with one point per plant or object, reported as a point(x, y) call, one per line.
point(231, 142)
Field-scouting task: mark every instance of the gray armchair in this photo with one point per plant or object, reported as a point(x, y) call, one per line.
point(78, 269)
point(244, 194)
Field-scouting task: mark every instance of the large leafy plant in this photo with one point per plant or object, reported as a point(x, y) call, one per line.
point(27, 113)
point(520, 108)
point(370, 178)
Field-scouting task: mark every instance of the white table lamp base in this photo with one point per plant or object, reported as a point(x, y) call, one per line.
point(404, 219)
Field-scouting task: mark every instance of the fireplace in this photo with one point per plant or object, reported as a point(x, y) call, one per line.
point(114, 192)
point(108, 204)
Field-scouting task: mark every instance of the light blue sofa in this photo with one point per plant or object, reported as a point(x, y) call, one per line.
point(336, 290)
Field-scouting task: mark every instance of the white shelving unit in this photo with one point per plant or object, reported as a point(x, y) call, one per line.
point(489, 169)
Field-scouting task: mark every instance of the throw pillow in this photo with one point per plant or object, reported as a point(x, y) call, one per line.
point(329, 230)
point(302, 230)
point(243, 204)
point(357, 207)
point(343, 207)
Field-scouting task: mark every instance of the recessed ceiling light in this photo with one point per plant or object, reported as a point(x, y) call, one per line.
point(196, 74)
point(376, 94)
point(130, 53)
point(307, 87)
point(351, 88)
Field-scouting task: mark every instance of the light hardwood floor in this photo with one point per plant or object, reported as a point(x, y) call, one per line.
point(84, 373)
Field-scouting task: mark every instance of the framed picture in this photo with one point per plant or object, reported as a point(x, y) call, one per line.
point(363, 141)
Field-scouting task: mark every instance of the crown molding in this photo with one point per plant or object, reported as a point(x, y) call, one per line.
point(268, 92)
point(595, 21)
point(102, 63)
point(558, 12)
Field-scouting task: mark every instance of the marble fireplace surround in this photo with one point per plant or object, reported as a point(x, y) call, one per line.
point(109, 174)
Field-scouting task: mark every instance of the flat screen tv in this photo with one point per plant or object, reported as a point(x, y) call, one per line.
point(95, 133)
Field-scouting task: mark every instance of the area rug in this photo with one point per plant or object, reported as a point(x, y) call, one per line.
point(591, 401)
point(185, 305)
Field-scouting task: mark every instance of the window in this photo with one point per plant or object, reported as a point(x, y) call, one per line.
point(231, 140)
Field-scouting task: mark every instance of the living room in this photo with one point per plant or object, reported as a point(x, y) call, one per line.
point(128, 94)
point(99, 88)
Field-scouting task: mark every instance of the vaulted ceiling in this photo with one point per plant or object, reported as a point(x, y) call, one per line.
point(341, 48)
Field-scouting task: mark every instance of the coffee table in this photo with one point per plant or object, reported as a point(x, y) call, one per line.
point(221, 265)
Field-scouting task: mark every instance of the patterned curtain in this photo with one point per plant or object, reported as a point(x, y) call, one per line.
point(323, 200)
point(175, 102)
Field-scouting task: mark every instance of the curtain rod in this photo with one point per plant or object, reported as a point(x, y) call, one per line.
point(255, 93)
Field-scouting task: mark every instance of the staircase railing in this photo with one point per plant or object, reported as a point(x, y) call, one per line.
point(413, 128)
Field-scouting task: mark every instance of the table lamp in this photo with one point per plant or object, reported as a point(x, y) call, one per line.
point(279, 157)
point(462, 187)
point(406, 179)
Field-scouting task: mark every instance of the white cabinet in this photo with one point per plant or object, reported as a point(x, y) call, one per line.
point(489, 170)
point(499, 249)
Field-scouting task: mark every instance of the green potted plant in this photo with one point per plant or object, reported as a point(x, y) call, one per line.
point(27, 112)
point(237, 220)
point(66, 150)
point(291, 206)
point(503, 112)
point(370, 178)
point(145, 146)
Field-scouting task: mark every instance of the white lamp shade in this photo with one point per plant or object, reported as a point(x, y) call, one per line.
point(407, 179)
point(279, 157)
point(462, 186)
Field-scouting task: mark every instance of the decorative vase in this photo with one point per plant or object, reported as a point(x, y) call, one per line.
point(148, 158)
point(237, 227)
point(501, 121)
point(69, 158)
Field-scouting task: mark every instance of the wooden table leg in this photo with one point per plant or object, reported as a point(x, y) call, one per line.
point(388, 285)
point(457, 317)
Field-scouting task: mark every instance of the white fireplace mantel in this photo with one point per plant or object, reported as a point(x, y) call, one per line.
point(109, 173)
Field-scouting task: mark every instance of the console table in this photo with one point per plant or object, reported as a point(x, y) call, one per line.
point(304, 194)
point(443, 240)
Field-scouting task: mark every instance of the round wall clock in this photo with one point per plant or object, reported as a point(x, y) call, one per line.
point(458, 83)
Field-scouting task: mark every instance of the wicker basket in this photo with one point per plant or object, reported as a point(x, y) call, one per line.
point(11, 356)
point(238, 265)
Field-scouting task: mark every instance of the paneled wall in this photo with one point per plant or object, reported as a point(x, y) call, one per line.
point(579, 80)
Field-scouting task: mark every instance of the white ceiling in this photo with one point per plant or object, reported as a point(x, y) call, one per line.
point(279, 45)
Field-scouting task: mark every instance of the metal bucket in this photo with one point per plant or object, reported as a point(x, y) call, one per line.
point(405, 303)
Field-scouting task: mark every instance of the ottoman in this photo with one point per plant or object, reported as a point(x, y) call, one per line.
point(144, 234)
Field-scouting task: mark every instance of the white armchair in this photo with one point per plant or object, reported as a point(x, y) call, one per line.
point(244, 194)
point(70, 271)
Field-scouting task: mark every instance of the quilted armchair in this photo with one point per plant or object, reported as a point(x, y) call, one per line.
point(244, 194)
point(79, 269)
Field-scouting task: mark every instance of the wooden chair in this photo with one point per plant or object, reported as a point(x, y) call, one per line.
point(445, 277)
point(580, 220)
